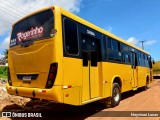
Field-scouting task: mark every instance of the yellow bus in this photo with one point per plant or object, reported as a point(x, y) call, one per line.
point(56, 55)
point(156, 69)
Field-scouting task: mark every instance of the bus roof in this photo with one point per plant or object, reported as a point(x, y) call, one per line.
point(86, 23)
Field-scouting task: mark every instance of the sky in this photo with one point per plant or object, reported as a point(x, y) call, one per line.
point(131, 20)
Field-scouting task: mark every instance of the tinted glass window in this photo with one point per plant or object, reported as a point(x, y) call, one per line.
point(109, 43)
point(105, 46)
point(70, 33)
point(114, 55)
point(119, 46)
point(104, 43)
point(146, 60)
point(143, 58)
point(126, 58)
point(129, 58)
point(35, 27)
point(115, 45)
point(149, 61)
point(123, 58)
point(124, 47)
point(139, 56)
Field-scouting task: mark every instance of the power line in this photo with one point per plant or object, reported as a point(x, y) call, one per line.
point(17, 6)
point(5, 21)
point(11, 11)
point(10, 20)
point(12, 7)
point(37, 6)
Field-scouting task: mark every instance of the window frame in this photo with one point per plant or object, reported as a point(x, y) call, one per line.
point(64, 38)
point(32, 40)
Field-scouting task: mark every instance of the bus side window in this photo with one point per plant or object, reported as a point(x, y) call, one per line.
point(127, 58)
point(115, 45)
point(70, 35)
point(85, 53)
point(123, 58)
point(105, 46)
point(124, 47)
point(149, 61)
point(94, 55)
point(85, 58)
point(109, 43)
point(114, 49)
point(139, 57)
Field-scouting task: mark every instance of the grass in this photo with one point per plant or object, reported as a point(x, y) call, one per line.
point(3, 71)
point(3, 76)
point(156, 70)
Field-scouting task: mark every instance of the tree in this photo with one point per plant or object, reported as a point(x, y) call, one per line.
point(5, 53)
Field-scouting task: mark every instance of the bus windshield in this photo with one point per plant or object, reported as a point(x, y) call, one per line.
point(35, 27)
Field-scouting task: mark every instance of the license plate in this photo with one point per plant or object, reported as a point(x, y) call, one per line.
point(26, 77)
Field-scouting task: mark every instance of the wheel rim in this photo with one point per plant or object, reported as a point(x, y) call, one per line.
point(116, 94)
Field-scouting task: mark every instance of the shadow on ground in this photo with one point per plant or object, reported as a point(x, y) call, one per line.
point(128, 94)
point(58, 111)
point(156, 77)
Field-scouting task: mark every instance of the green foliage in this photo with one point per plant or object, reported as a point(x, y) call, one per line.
point(3, 71)
point(5, 55)
point(3, 76)
point(156, 70)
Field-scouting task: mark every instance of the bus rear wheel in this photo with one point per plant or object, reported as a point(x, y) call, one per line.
point(146, 86)
point(116, 95)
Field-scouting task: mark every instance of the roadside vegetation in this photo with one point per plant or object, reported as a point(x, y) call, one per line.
point(156, 68)
point(3, 60)
point(3, 71)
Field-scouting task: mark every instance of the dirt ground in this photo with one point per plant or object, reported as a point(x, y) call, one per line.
point(131, 101)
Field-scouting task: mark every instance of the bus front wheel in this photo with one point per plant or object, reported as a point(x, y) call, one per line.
point(116, 95)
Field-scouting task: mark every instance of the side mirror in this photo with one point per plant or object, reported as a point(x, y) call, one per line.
point(153, 61)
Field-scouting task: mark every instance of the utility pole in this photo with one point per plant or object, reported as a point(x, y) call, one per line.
point(142, 44)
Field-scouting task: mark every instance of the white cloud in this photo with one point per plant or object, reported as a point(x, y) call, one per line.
point(1, 55)
point(109, 28)
point(150, 42)
point(5, 43)
point(4, 27)
point(138, 42)
point(12, 10)
point(133, 40)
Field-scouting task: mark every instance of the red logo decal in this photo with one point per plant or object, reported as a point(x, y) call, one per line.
point(36, 32)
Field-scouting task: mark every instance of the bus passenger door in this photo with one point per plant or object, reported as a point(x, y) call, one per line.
point(134, 70)
point(90, 82)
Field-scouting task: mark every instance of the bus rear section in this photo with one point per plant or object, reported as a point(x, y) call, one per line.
point(33, 67)
point(156, 70)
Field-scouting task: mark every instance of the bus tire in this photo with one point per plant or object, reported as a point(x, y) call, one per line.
point(116, 95)
point(146, 86)
point(34, 99)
